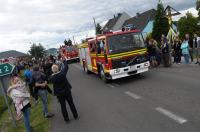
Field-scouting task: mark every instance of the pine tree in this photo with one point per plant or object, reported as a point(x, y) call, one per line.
point(98, 29)
point(161, 24)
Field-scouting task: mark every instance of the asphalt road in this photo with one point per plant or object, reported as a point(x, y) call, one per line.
point(161, 100)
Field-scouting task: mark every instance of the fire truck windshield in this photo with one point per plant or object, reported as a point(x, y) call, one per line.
point(70, 49)
point(125, 42)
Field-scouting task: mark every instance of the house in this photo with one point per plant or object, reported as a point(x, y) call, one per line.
point(12, 54)
point(116, 22)
point(142, 21)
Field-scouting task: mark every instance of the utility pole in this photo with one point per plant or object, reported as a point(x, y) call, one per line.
point(74, 40)
point(95, 25)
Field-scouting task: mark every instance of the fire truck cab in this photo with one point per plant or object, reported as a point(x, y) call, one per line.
point(115, 55)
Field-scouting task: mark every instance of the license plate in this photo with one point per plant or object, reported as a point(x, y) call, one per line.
point(132, 68)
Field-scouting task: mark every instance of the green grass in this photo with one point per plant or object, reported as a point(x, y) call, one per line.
point(2, 104)
point(38, 122)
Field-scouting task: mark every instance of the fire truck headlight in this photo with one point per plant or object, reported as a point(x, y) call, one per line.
point(117, 71)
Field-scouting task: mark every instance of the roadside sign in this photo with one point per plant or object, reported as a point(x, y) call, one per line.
point(6, 69)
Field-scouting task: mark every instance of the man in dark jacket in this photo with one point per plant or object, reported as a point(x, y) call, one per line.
point(165, 51)
point(62, 89)
point(191, 49)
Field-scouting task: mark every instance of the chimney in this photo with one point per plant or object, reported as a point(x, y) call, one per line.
point(114, 16)
point(119, 14)
point(138, 14)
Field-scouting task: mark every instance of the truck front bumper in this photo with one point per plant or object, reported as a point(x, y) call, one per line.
point(129, 70)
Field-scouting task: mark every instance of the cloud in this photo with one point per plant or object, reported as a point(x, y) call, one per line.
point(51, 21)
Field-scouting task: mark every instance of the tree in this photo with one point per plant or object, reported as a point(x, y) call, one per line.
point(98, 29)
point(37, 51)
point(68, 43)
point(198, 7)
point(161, 24)
point(188, 24)
point(65, 42)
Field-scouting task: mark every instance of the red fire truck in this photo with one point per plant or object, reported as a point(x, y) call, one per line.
point(115, 55)
point(70, 53)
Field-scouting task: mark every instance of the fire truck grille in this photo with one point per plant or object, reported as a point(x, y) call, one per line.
point(119, 63)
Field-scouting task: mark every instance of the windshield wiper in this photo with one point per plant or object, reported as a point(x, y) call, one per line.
point(131, 61)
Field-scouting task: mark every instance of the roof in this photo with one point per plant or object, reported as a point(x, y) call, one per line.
point(12, 53)
point(111, 23)
point(142, 19)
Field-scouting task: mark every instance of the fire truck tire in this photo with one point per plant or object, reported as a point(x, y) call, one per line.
point(103, 76)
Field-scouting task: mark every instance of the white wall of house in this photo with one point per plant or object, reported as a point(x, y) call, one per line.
point(120, 22)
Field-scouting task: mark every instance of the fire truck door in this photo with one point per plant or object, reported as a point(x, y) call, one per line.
point(88, 59)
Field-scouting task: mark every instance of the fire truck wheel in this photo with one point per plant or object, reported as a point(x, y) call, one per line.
point(103, 76)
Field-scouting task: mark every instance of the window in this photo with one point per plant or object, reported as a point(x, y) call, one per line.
point(92, 47)
point(125, 42)
point(101, 46)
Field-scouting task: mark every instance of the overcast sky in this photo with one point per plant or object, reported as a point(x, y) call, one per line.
point(51, 21)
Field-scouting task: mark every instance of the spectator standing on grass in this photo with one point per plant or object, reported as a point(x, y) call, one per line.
point(177, 50)
point(47, 67)
point(21, 98)
point(185, 50)
point(41, 89)
point(28, 73)
point(196, 45)
point(62, 89)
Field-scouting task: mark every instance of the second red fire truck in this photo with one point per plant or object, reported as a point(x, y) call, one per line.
point(70, 53)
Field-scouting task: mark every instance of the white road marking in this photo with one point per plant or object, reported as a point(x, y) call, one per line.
point(135, 96)
point(171, 115)
point(111, 86)
point(115, 84)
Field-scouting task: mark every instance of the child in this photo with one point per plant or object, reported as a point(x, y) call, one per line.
point(20, 96)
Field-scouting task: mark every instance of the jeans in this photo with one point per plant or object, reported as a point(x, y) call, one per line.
point(62, 99)
point(187, 58)
point(26, 114)
point(167, 59)
point(43, 96)
point(191, 53)
point(177, 57)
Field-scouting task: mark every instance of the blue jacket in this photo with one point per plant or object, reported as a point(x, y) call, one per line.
point(28, 76)
point(185, 47)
